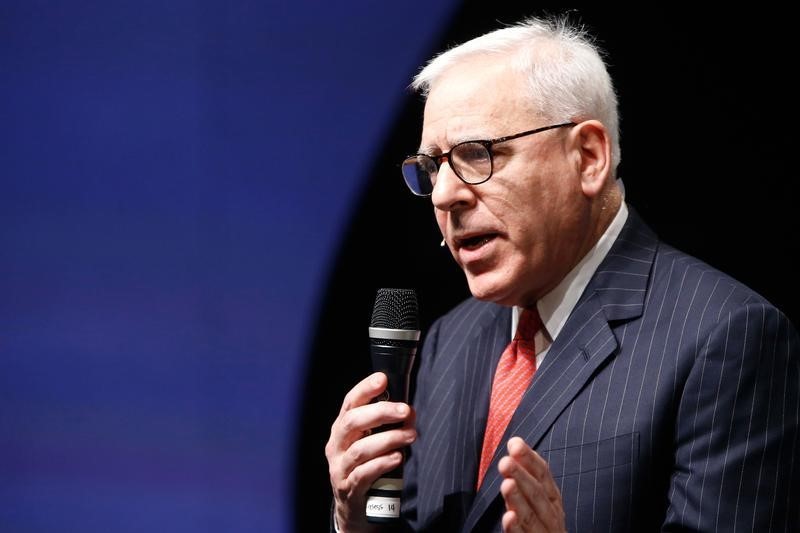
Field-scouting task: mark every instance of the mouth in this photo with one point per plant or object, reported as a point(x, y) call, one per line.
point(473, 242)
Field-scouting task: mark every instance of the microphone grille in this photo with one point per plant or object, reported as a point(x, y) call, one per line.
point(395, 309)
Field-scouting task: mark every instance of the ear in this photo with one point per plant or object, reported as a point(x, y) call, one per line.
point(593, 144)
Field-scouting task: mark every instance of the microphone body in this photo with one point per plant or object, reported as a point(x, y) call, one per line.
point(394, 338)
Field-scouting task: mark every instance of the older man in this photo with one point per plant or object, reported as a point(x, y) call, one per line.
point(599, 380)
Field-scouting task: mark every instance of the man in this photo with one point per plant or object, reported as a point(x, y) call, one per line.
point(659, 394)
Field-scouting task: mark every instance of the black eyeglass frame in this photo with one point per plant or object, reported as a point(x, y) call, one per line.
point(487, 144)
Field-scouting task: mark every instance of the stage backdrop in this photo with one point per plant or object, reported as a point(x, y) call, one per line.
point(174, 181)
point(199, 198)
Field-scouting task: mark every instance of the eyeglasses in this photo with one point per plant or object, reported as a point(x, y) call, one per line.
point(470, 160)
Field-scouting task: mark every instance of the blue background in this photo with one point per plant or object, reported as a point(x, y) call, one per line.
point(175, 179)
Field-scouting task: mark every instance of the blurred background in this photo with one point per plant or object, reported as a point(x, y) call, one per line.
point(199, 199)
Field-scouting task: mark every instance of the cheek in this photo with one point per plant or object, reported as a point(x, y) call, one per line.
point(520, 227)
point(441, 219)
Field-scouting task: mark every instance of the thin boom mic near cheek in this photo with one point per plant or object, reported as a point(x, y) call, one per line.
point(394, 337)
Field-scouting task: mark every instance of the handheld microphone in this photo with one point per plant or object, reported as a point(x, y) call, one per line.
point(394, 337)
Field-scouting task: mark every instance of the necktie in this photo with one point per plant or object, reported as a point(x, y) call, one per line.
point(513, 375)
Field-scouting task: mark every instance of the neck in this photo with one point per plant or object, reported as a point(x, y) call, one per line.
point(605, 209)
point(602, 212)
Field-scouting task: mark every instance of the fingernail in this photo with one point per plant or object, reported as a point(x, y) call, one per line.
point(376, 380)
point(402, 409)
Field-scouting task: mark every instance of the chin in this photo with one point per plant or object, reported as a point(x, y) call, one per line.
point(488, 288)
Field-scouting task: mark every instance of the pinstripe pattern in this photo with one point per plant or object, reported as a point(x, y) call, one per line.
point(669, 401)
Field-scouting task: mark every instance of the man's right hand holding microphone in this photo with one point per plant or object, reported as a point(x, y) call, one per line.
point(357, 456)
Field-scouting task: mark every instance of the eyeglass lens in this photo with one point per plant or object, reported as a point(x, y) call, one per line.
point(471, 161)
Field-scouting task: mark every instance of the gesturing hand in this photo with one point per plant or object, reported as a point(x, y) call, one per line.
point(533, 501)
point(356, 456)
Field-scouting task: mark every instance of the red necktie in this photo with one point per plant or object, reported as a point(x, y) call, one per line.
point(513, 375)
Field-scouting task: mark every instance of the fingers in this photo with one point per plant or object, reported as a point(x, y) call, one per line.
point(352, 482)
point(357, 455)
point(527, 506)
point(533, 463)
point(359, 421)
point(366, 450)
point(518, 517)
point(350, 492)
point(367, 389)
point(533, 501)
point(513, 524)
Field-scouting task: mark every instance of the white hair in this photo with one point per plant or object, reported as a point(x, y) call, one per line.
point(565, 71)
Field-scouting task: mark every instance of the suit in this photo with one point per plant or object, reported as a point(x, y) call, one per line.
point(670, 400)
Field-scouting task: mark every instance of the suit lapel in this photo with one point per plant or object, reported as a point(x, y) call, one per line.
point(616, 292)
point(494, 341)
point(454, 431)
point(478, 365)
point(582, 346)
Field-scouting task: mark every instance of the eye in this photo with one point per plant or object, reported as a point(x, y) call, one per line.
point(471, 153)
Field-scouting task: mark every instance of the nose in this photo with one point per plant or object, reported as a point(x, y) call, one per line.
point(449, 192)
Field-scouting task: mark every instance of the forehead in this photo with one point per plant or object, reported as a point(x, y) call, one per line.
point(477, 99)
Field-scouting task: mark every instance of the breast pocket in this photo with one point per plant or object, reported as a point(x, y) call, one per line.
point(596, 482)
point(588, 457)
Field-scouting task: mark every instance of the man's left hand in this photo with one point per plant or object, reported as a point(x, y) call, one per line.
point(533, 501)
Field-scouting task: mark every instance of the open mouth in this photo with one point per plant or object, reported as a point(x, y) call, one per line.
point(475, 242)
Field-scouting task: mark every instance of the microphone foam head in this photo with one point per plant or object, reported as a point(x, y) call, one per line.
point(395, 309)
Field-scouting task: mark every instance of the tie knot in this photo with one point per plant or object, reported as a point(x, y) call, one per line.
point(529, 324)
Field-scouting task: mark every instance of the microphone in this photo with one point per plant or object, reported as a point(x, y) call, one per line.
point(394, 337)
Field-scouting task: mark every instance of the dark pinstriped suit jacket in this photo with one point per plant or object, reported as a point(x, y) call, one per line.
point(669, 401)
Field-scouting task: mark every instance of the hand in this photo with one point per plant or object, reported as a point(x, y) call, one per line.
point(533, 501)
point(356, 456)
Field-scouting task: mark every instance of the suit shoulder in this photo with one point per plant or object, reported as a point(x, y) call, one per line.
point(678, 270)
point(685, 290)
point(463, 321)
point(470, 310)
point(663, 275)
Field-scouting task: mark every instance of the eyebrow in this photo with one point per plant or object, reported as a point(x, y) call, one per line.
point(426, 150)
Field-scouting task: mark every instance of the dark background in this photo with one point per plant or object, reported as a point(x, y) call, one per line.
point(198, 200)
point(707, 149)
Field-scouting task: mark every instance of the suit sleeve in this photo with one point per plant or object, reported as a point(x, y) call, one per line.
point(737, 449)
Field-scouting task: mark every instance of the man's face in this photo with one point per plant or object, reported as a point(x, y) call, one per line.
point(518, 234)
